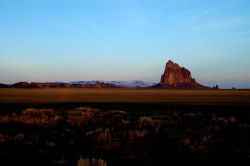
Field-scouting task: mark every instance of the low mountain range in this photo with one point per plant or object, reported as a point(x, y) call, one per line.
point(129, 84)
point(62, 85)
point(80, 84)
point(174, 77)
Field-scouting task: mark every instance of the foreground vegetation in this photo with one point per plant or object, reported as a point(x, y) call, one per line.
point(117, 137)
point(124, 127)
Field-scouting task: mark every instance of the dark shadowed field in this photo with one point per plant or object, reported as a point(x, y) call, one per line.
point(124, 127)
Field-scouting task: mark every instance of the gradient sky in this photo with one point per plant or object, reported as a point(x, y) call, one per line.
point(70, 40)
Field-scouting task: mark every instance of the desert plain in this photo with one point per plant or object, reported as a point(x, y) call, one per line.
point(161, 96)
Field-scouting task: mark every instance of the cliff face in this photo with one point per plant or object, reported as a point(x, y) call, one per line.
point(175, 76)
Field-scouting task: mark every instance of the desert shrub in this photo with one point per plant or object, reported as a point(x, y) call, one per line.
point(90, 109)
point(118, 112)
point(5, 119)
point(5, 138)
point(125, 122)
point(244, 126)
point(19, 137)
point(51, 144)
point(91, 162)
point(29, 111)
point(37, 117)
point(191, 115)
point(186, 141)
point(61, 162)
point(32, 111)
point(89, 133)
point(82, 115)
point(134, 134)
point(57, 118)
point(145, 121)
point(232, 119)
point(200, 144)
point(75, 119)
point(104, 137)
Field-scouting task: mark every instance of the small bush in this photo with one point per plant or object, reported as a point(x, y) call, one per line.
point(91, 162)
point(104, 137)
point(145, 121)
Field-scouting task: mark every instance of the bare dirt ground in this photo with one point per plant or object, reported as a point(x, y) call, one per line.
point(186, 97)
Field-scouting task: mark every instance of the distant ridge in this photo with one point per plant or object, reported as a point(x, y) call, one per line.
point(5, 86)
point(129, 84)
point(58, 85)
point(81, 84)
point(174, 77)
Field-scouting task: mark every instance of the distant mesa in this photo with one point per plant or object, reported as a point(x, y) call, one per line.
point(126, 84)
point(21, 85)
point(177, 77)
point(80, 84)
point(62, 85)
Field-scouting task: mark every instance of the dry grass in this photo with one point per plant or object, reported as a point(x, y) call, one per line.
point(91, 162)
point(200, 97)
point(33, 116)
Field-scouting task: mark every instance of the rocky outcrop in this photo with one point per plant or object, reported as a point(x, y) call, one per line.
point(21, 85)
point(178, 77)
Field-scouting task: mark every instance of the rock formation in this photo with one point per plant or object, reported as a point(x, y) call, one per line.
point(21, 85)
point(177, 77)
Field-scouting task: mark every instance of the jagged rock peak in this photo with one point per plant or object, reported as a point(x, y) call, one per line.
point(175, 76)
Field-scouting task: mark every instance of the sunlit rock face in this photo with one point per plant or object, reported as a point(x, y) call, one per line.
point(175, 76)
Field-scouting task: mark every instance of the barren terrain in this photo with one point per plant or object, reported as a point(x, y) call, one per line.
point(180, 97)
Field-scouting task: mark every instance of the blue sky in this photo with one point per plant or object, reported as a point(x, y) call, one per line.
point(68, 40)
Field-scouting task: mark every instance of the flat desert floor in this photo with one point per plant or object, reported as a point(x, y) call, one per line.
point(179, 97)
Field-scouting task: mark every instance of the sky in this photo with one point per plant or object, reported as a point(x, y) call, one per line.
point(71, 40)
